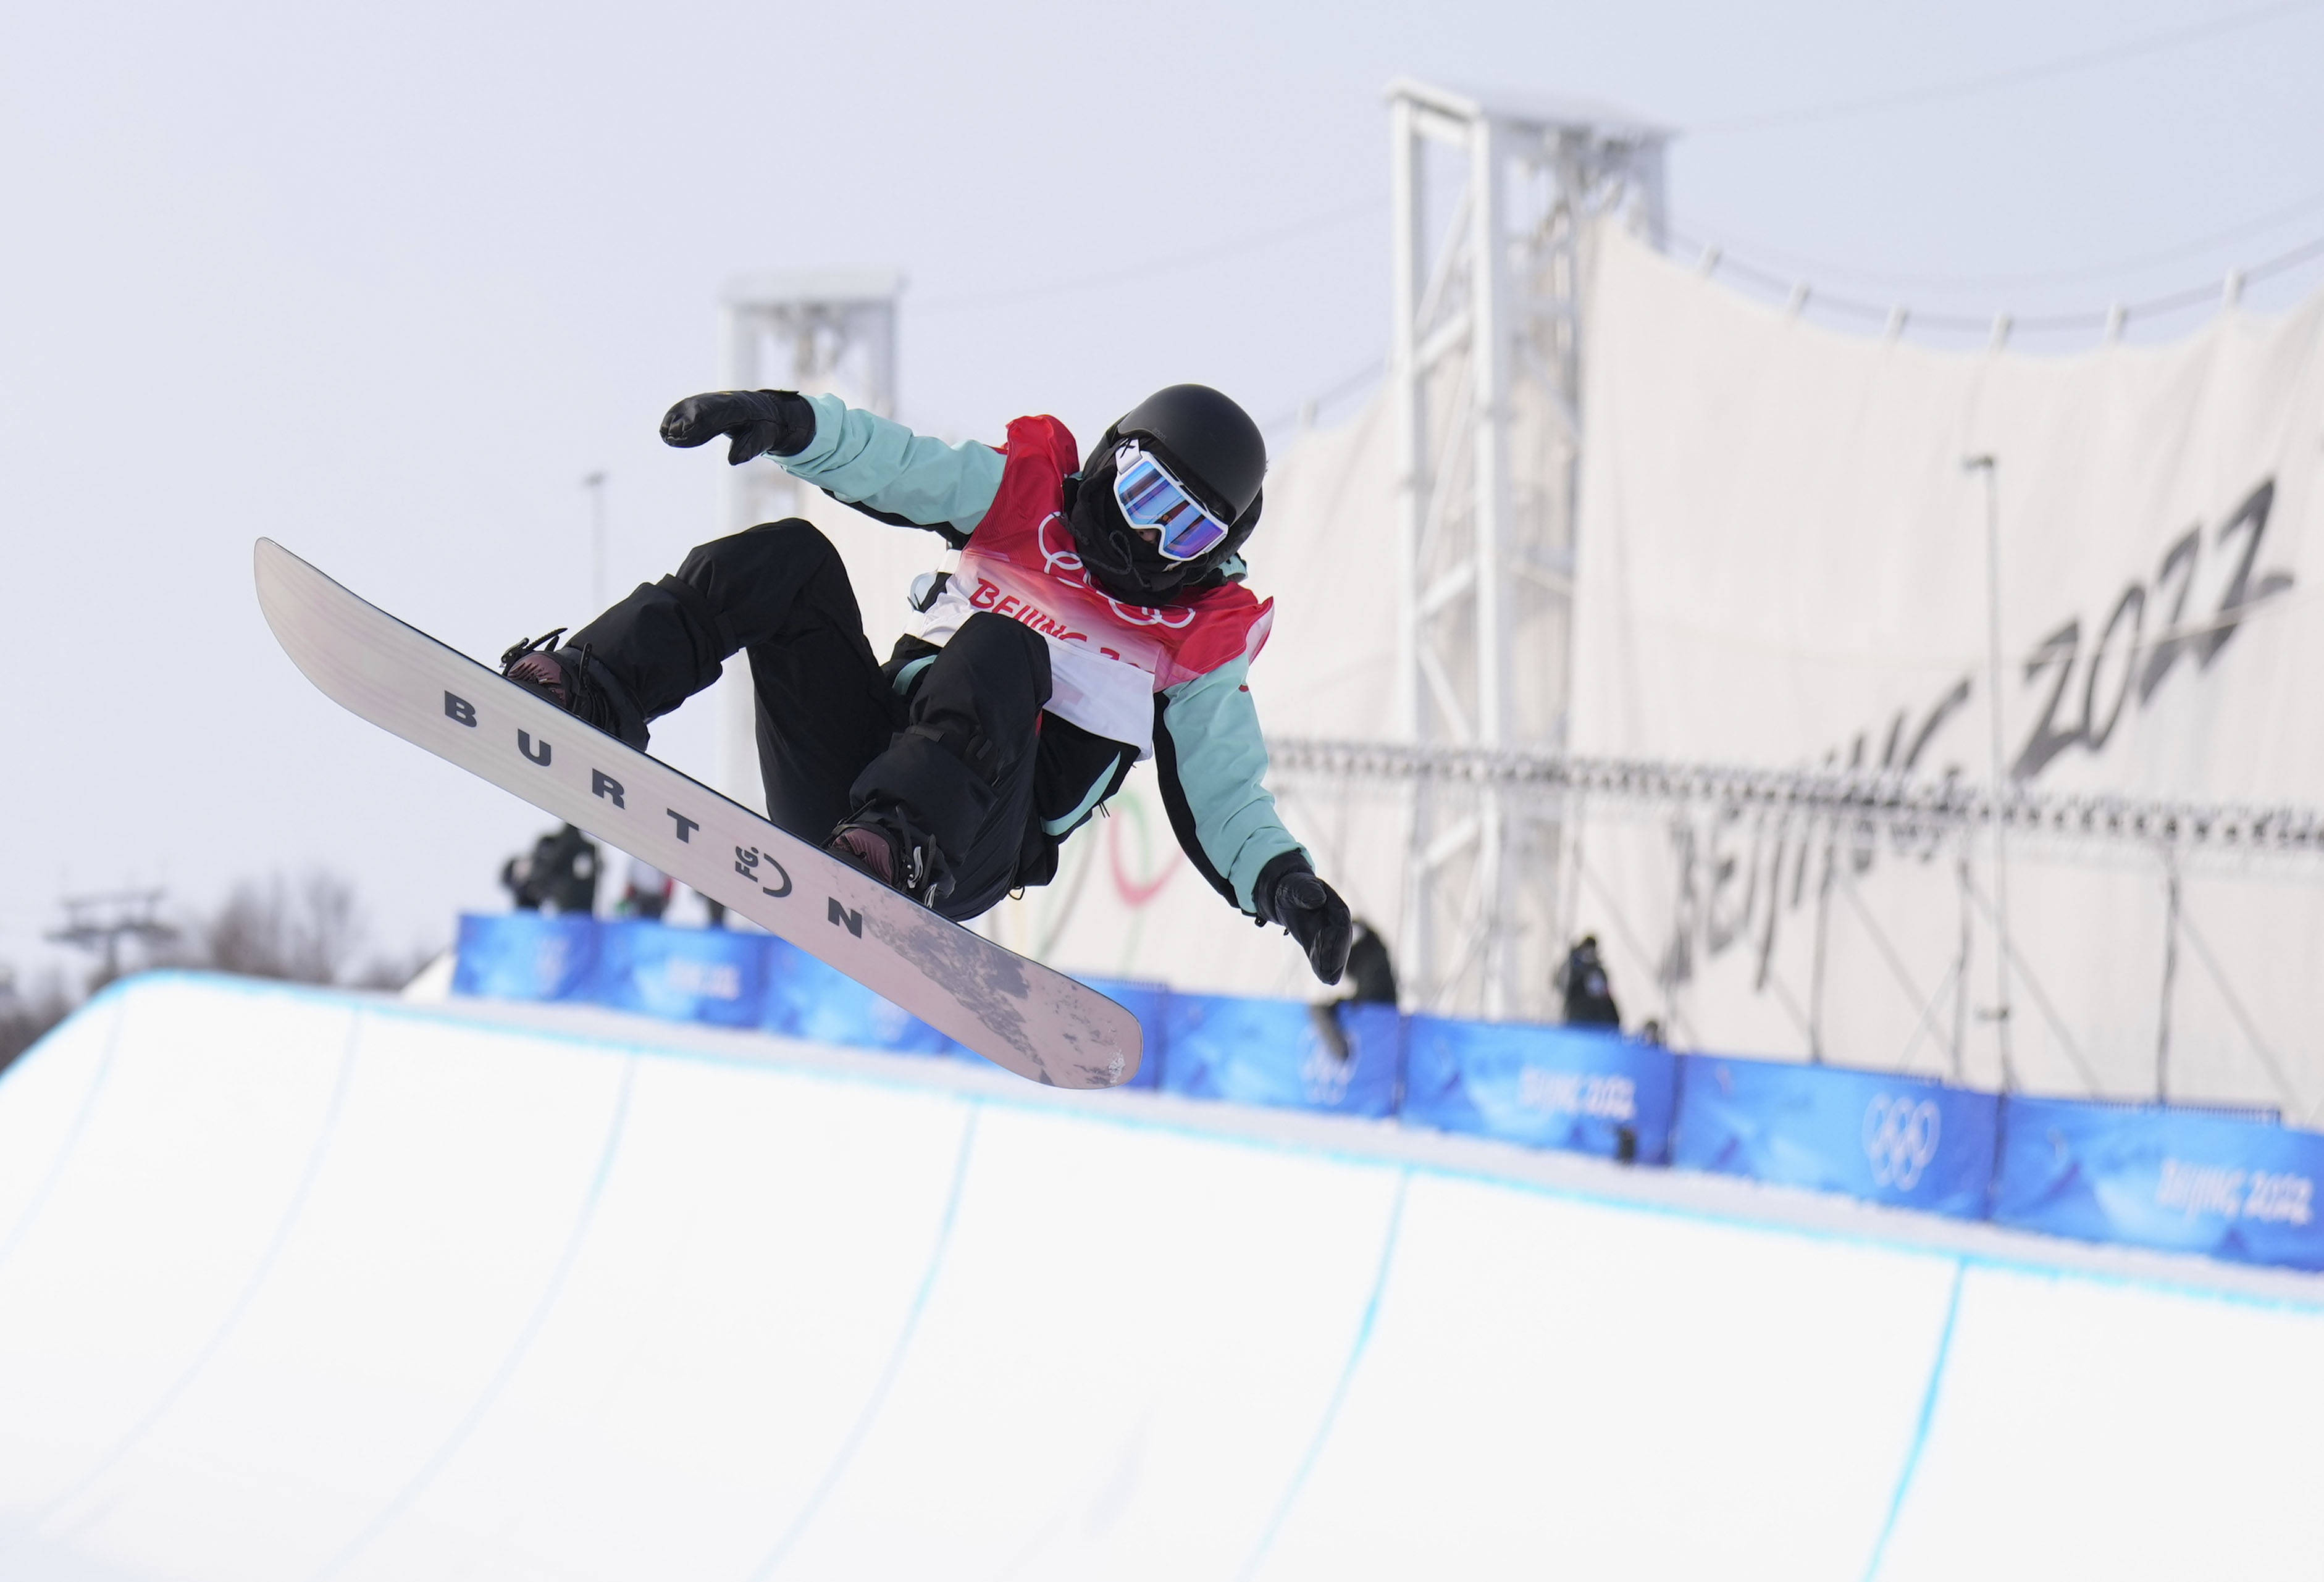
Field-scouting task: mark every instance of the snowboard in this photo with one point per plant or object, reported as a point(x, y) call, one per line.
point(1018, 1013)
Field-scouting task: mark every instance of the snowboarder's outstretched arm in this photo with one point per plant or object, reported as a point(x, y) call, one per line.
point(1212, 763)
point(857, 457)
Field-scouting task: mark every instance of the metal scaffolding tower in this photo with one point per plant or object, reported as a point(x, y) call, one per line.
point(1492, 201)
point(813, 331)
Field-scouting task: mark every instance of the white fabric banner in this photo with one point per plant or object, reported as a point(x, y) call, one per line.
point(1782, 562)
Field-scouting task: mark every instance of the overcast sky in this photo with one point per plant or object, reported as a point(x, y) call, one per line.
point(384, 282)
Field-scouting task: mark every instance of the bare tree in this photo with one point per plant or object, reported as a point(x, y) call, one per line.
point(27, 1013)
point(394, 968)
point(306, 928)
point(306, 931)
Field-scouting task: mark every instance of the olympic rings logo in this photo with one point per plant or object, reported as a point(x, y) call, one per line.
point(1324, 1075)
point(1054, 560)
point(1148, 615)
point(1900, 1139)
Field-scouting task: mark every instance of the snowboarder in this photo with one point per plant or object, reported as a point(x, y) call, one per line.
point(1097, 617)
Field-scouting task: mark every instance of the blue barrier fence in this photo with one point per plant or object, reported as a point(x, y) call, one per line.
point(806, 999)
point(2224, 1186)
point(525, 955)
point(1581, 1088)
point(1342, 1059)
point(683, 974)
point(2162, 1178)
point(1891, 1139)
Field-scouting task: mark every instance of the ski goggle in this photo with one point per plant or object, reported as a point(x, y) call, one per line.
point(1149, 497)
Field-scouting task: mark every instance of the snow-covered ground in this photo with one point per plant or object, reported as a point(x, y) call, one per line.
point(306, 1284)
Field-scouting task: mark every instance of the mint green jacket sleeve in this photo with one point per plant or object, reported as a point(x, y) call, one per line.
point(864, 459)
point(1213, 773)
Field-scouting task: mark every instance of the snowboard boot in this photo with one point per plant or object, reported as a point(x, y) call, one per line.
point(885, 843)
point(578, 682)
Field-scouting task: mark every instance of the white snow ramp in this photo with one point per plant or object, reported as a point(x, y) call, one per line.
point(302, 1286)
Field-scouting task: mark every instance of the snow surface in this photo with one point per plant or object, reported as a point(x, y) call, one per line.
point(302, 1284)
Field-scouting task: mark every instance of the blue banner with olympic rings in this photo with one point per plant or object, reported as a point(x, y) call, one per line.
point(1342, 1058)
point(1892, 1139)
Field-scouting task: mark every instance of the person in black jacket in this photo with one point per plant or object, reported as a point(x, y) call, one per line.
point(1369, 971)
point(1371, 980)
point(561, 873)
point(1589, 995)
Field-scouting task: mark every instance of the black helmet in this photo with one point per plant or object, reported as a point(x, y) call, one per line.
point(1212, 447)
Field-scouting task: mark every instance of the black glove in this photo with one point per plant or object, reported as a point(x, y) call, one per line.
point(760, 422)
point(1289, 894)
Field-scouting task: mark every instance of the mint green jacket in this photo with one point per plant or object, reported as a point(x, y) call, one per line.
point(1209, 749)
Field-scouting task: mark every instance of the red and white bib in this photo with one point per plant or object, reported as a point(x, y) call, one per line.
point(1107, 659)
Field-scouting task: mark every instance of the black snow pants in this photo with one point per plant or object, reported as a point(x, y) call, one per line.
point(958, 749)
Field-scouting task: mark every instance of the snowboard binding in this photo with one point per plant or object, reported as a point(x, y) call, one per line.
point(885, 842)
point(575, 682)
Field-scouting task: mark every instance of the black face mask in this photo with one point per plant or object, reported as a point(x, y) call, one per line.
point(1117, 559)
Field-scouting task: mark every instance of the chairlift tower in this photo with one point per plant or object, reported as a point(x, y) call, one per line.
point(1493, 197)
point(99, 923)
point(814, 331)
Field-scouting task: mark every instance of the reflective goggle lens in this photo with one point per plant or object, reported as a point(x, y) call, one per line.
point(1151, 498)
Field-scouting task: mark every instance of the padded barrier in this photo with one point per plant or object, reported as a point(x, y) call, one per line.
point(1340, 1059)
point(2231, 1188)
point(1890, 1139)
point(2162, 1178)
point(681, 974)
point(804, 999)
point(1584, 1089)
point(525, 955)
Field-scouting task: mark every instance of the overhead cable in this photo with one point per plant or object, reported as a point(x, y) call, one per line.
point(2107, 319)
point(2193, 247)
point(1964, 88)
point(1347, 384)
